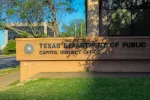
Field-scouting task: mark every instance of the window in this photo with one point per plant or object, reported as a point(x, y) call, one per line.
point(126, 17)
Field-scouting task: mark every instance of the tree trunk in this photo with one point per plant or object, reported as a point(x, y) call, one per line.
point(54, 19)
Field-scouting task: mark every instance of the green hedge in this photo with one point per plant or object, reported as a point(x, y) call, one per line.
point(10, 47)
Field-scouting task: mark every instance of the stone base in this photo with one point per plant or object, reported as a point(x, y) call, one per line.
point(31, 68)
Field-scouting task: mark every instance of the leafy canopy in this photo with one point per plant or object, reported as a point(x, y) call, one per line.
point(33, 13)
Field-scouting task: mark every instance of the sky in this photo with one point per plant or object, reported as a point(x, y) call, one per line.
point(80, 14)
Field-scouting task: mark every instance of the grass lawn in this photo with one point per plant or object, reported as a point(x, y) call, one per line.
point(11, 55)
point(7, 71)
point(81, 89)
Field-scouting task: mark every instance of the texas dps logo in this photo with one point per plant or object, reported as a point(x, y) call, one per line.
point(28, 49)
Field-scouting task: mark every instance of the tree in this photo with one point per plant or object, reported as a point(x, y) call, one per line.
point(31, 12)
point(10, 47)
point(77, 28)
point(129, 16)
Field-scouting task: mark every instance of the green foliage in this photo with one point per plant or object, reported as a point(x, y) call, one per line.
point(77, 28)
point(31, 11)
point(10, 12)
point(44, 35)
point(121, 19)
point(10, 47)
point(67, 35)
point(23, 35)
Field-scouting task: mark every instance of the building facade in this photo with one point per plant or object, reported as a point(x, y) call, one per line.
point(3, 38)
point(127, 23)
point(6, 35)
point(118, 17)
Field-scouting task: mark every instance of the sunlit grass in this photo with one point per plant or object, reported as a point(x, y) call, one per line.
point(11, 55)
point(81, 89)
point(14, 83)
point(7, 71)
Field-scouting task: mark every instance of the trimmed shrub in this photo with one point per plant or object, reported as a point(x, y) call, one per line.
point(10, 47)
